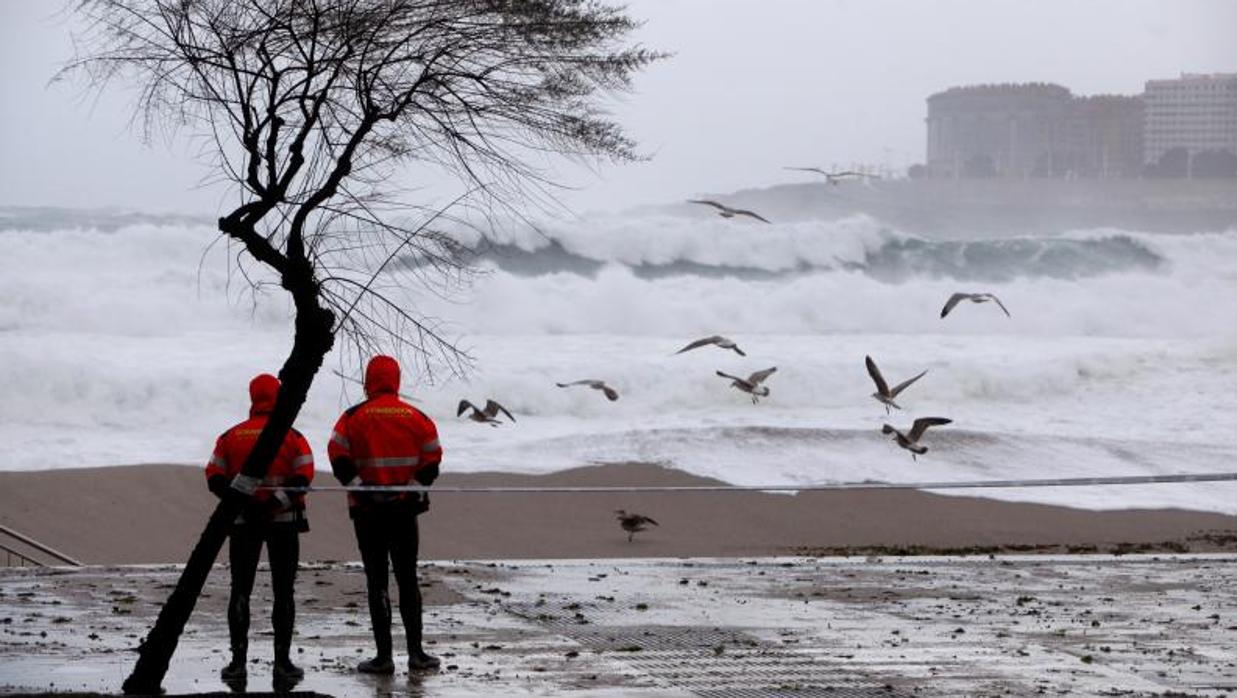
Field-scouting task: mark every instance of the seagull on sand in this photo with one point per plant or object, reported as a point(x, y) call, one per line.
point(974, 298)
point(489, 415)
point(833, 177)
point(727, 212)
point(911, 441)
point(632, 522)
point(720, 341)
point(611, 393)
point(884, 394)
point(751, 384)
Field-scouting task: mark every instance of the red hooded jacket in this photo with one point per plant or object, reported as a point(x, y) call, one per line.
point(384, 440)
point(293, 464)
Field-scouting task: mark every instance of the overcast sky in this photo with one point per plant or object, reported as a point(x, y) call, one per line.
point(754, 85)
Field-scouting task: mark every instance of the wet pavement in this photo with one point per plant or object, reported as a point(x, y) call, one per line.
point(1009, 625)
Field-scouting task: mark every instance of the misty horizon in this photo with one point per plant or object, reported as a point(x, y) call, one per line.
point(749, 90)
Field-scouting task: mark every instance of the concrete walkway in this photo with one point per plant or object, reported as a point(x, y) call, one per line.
point(1089, 625)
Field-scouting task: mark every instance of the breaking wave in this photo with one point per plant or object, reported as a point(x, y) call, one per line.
point(661, 246)
point(127, 337)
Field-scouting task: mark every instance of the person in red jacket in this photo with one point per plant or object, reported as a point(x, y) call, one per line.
point(270, 516)
point(386, 441)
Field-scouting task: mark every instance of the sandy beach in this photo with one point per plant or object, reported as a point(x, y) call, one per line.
point(154, 513)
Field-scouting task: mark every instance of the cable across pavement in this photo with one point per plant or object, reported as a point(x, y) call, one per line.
point(811, 487)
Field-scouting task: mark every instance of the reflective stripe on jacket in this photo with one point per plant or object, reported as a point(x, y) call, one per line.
point(294, 458)
point(387, 440)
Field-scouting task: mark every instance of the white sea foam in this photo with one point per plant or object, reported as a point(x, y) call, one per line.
point(134, 344)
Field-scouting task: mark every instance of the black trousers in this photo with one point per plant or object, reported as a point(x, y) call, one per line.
point(388, 531)
point(283, 550)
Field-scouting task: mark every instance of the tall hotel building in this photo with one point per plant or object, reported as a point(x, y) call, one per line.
point(1197, 112)
point(1032, 130)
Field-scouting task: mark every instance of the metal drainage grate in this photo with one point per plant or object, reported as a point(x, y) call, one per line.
point(710, 661)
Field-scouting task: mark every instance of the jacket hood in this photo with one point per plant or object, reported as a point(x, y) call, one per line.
point(381, 376)
point(262, 393)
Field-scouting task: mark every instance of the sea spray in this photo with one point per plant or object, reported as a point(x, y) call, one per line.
point(133, 341)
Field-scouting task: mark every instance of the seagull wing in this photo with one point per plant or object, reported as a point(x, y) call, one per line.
point(998, 302)
point(921, 425)
point(759, 377)
point(492, 409)
point(707, 202)
point(733, 378)
point(611, 393)
point(646, 519)
point(753, 214)
point(953, 300)
point(881, 386)
point(464, 404)
point(700, 343)
point(904, 385)
point(817, 170)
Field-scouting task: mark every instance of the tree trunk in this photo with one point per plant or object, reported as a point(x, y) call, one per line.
point(314, 338)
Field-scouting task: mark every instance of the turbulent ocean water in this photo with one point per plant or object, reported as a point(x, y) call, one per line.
point(130, 339)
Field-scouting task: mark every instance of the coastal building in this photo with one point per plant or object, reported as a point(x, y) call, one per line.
point(1105, 137)
point(1003, 130)
point(1195, 112)
point(1032, 130)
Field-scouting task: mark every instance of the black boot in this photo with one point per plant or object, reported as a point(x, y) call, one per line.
point(284, 670)
point(418, 660)
point(236, 670)
point(410, 613)
point(378, 665)
point(238, 635)
point(380, 619)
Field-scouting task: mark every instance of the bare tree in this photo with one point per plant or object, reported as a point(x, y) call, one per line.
point(309, 108)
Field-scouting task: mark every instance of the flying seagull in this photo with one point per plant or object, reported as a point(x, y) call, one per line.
point(720, 341)
point(974, 298)
point(751, 384)
point(835, 176)
point(726, 212)
point(883, 392)
point(911, 441)
point(611, 393)
point(489, 415)
point(632, 522)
